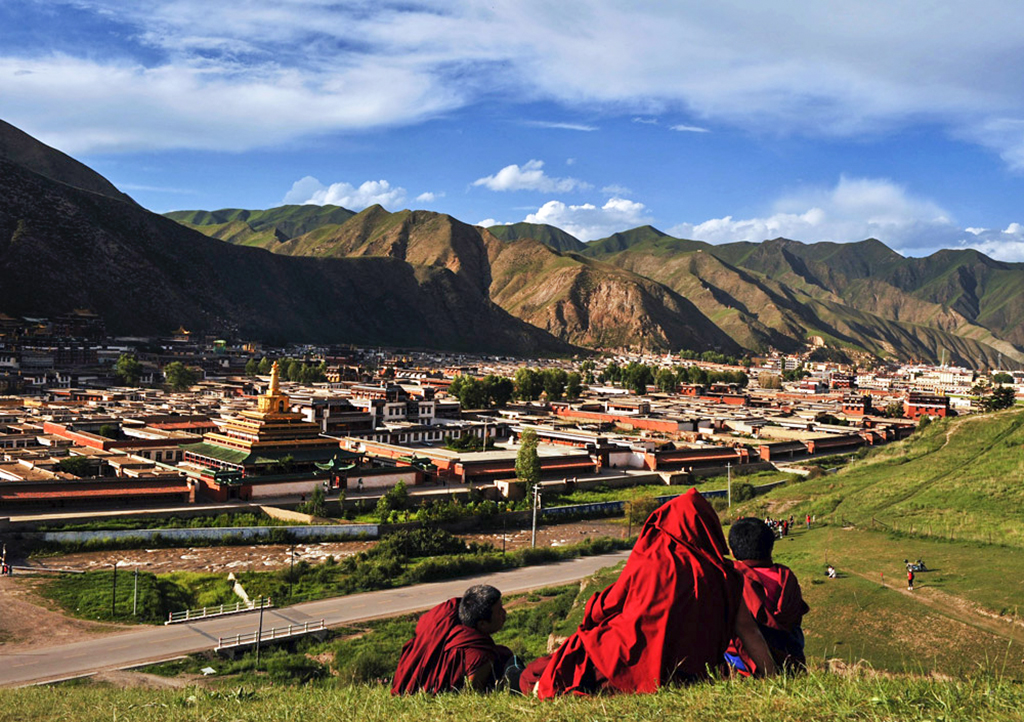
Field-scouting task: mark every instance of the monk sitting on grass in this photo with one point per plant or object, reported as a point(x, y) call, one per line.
point(668, 618)
point(771, 593)
point(453, 648)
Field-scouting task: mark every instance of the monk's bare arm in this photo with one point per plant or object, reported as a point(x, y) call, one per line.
point(481, 677)
point(753, 642)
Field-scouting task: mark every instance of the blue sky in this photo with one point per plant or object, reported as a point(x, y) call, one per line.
point(719, 121)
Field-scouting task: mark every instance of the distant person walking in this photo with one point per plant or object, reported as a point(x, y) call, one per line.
point(808, 521)
point(910, 580)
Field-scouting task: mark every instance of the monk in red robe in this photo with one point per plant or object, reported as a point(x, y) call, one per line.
point(669, 616)
point(771, 594)
point(453, 647)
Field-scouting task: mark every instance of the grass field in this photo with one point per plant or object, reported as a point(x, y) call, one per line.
point(957, 479)
point(818, 696)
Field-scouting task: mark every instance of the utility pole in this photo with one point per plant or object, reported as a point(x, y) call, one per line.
point(728, 470)
point(536, 503)
point(113, 592)
point(259, 635)
point(135, 595)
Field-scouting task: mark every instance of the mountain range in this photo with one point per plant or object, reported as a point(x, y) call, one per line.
point(645, 289)
point(70, 239)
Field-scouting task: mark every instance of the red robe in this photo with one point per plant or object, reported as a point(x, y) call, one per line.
point(669, 616)
point(777, 605)
point(444, 652)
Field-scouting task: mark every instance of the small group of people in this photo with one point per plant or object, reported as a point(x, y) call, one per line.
point(780, 527)
point(680, 611)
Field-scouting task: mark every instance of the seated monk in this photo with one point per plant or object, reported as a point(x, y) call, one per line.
point(453, 646)
point(668, 618)
point(771, 593)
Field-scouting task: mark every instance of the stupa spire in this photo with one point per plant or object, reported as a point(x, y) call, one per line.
point(275, 381)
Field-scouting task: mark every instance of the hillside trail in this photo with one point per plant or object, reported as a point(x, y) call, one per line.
point(954, 607)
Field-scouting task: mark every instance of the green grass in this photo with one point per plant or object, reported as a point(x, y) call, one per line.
point(93, 596)
point(198, 522)
point(964, 488)
point(942, 627)
point(818, 696)
point(646, 491)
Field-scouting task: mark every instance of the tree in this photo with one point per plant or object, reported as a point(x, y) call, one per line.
point(317, 505)
point(394, 499)
point(527, 460)
point(893, 410)
point(665, 380)
point(108, 431)
point(554, 383)
point(500, 390)
point(265, 366)
point(527, 384)
point(769, 380)
point(252, 367)
point(78, 465)
point(1002, 378)
point(128, 369)
point(573, 386)
point(1002, 397)
point(179, 376)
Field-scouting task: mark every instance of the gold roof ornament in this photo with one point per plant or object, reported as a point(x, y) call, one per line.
point(275, 381)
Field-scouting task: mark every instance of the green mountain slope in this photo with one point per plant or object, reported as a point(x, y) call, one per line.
point(263, 229)
point(550, 236)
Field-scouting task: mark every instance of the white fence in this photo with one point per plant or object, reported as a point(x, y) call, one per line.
point(270, 635)
point(190, 615)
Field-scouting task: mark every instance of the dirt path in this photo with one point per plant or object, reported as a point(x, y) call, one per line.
point(26, 621)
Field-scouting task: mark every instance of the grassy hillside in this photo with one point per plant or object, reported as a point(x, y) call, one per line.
point(550, 236)
point(959, 479)
point(283, 222)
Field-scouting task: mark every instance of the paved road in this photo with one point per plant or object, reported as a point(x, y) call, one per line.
point(153, 644)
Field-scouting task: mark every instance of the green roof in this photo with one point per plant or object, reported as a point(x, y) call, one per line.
point(220, 453)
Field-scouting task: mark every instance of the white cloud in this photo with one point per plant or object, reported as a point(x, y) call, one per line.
point(855, 209)
point(488, 222)
point(689, 129)
point(278, 71)
point(1005, 245)
point(562, 126)
point(428, 197)
point(645, 121)
point(529, 177)
point(310, 191)
point(128, 107)
point(616, 190)
point(587, 221)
